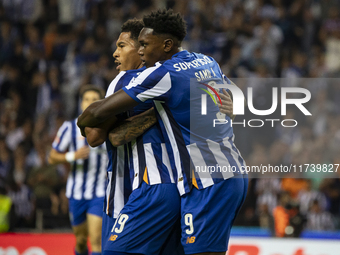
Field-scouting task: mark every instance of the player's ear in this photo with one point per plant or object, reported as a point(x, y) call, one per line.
point(168, 44)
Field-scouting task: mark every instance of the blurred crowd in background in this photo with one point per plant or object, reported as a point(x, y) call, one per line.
point(49, 49)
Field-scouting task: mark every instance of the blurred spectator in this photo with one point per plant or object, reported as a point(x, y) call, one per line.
point(297, 221)
point(267, 191)
point(19, 135)
point(269, 36)
point(288, 220)
point(331, 188)
point(249, 217)
point(318, 219)
point(297, 69)
point(44, 182)
point(330, 35)
point(320, 109)
point(309, 196)
point(6, 41)
point(294, 186)
point(6, 162)
point(266, 219)
point(51, 12)
point(20, 169)
point(5, 209)
point(24, 204)
point(281, 215)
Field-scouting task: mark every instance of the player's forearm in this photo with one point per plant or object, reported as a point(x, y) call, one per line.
point(132, 127)
point(101, 110)
point(56, 157)
point(98, 135)
point(94, 137)
point(90, 118)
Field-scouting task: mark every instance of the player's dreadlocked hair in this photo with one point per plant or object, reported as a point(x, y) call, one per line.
point(166, 22)
point(134, 26)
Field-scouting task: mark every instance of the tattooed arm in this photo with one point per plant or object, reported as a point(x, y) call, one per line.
point(132, 127)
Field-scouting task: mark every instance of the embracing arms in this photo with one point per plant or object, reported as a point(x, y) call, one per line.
point(102, 110)
point(98, 121)
point(132, 127)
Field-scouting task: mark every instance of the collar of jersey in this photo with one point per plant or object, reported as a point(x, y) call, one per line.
point(182, 52)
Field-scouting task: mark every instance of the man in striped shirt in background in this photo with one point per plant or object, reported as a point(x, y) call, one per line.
point(209, 209)
point(85, 186)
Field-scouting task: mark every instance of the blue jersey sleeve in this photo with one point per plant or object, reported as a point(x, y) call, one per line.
point(154, 83)
point(63, 138)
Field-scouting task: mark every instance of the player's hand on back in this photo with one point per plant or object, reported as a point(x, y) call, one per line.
point(227, 104)
point(82, 153)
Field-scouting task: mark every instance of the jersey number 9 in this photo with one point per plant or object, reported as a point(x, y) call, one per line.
point(189, 222)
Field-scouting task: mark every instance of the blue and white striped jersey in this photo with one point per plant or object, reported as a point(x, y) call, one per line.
point(174, 86)
point(86, 180)
point(145, 158)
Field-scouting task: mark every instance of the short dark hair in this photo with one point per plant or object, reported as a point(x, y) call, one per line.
point(166, 22)
point(134, 26)
point(94, 88)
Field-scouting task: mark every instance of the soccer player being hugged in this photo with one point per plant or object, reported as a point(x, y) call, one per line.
point(85, 186)
point(141, 188)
